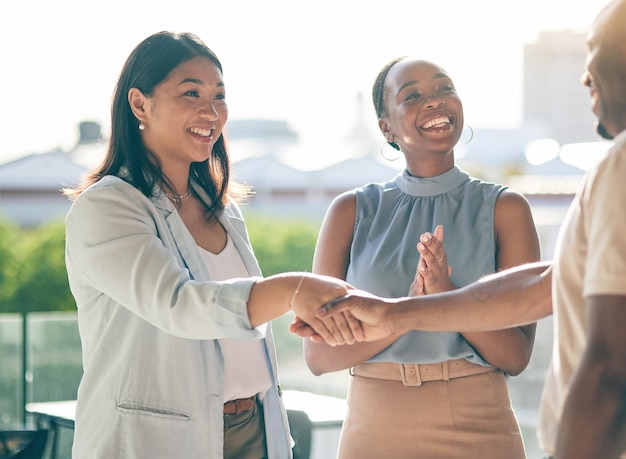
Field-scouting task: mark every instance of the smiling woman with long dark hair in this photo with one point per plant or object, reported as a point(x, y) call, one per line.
point(173, 313)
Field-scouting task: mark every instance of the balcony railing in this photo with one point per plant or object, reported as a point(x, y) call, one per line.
point(40, 361)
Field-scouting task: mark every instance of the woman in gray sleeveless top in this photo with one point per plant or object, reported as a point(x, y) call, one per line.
point(425, 394)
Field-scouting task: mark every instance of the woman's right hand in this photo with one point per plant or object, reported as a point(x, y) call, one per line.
point(315, 291)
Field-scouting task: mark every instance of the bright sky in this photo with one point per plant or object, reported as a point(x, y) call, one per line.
point(304, 62)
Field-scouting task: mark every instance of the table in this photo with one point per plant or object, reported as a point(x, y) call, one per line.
point(54, 415)
point(324, 411)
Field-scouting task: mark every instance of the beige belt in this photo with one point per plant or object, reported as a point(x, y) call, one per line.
point(413, 374)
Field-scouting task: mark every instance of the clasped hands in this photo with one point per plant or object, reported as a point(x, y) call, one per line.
point(353, 317)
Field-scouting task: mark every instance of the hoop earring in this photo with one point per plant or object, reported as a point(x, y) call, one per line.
point(395, 146)
point(141, 126)
point(471, 134)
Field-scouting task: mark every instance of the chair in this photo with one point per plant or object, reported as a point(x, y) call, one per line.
point(301, 429)
point(23, 443)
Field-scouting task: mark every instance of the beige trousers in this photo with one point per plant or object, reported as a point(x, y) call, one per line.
point(455, 417)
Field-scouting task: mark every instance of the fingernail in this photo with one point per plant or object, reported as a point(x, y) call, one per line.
point(425, 237)
point(421, 246)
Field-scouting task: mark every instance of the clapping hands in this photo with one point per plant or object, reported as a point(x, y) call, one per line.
point(433, 272)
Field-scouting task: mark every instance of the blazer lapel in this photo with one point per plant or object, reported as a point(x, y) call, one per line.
point(181, 238)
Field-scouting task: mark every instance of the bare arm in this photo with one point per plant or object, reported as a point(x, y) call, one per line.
point(510, 298)
point(593, 423)
point(332, 256)
point(516, 243)
point(305, 293)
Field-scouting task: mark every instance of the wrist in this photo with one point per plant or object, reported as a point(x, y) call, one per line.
point(296, 291)
point(402, 316)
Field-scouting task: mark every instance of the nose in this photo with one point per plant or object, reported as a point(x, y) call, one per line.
point(209, 112)
point(586, 79)
point(434, 101)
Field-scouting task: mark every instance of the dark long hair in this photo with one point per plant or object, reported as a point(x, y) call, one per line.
point(147, 66)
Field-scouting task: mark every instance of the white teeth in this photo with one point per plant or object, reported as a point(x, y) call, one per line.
point(436, 121)
point(202, 132)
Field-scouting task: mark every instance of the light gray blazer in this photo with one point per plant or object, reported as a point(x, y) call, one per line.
point(150, 319)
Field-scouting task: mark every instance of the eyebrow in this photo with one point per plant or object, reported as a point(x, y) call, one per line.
point(200, 82)
point(437, 76)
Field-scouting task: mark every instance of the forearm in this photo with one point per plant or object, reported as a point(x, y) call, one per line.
point(322, 358)
point(593, 423)
point(509, 349)
point(510, 298)
point(269, 297)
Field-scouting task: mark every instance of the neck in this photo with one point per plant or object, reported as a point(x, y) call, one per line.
point(421, 168)
point(178, 197)
point(178, 179)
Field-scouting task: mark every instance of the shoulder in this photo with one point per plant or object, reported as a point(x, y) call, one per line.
point(513, 213)
point(110, 197)
point(614, 161)
point(511, 197)
point(511, 203)
point(483, 186)
point(111, 185)
point(233, 209)
point(343, 204)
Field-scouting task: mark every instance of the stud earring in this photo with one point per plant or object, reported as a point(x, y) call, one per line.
point(141, 126)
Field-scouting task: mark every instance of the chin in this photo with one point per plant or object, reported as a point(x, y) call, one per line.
point(602, 132)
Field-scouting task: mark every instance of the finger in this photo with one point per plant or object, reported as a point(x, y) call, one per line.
point(432, 251)
point(421, 288)
point(334, 306)
point(300, 328)
point(356, 326)
point(317, 339)
point(428, 260)
point(341, 322)
point(439, 233)
point(333, 326)
point(326, 329)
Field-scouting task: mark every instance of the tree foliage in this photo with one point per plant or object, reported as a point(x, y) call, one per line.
point(32, 261)
point(35, 278)
point(8, 264)
point(282, 245)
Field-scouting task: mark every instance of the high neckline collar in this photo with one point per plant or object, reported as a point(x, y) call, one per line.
point(431, 186)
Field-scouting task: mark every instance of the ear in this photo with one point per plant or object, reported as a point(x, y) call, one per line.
point(385, 129)
point(137, 101)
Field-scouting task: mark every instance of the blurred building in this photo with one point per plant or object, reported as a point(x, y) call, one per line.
point(30, 187)
point(555, 101)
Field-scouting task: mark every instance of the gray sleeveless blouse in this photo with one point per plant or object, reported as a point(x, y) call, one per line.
point(391, 216)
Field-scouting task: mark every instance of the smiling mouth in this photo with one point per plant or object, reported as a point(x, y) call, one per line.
point(437, 123)
point(201, 132)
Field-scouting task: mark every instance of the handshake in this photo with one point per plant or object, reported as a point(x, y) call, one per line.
point(331, 311)
point(353, 317)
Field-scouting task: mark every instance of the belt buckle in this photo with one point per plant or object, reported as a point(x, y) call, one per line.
point(410, 374)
